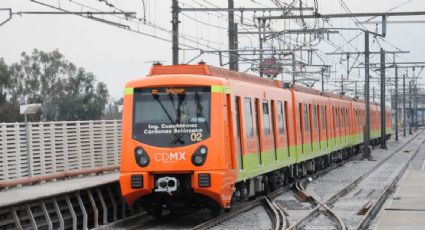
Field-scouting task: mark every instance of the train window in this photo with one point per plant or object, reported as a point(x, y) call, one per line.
point(347, 119)
point(336, 118)
point(322, 116)
point(306, 118)
point(249, 129)
point(315, 118)
point(238, 132)
point(171, 116)
point(280, 118)
point(266, 117)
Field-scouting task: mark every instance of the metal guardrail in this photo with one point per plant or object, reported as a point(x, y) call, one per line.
point(42, 148)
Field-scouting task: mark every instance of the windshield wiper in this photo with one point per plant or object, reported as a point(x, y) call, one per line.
point(163, 108)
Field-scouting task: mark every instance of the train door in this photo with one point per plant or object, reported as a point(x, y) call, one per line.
point(316, 131)
point(275, 134)
point(258, 129)
point(306, 128)
point(267, 140)
point(281, 131)
point(323, 131)
point(238, 131)
point(343, 128)
point(337, 128)
point(250, 162)
point(348, 128)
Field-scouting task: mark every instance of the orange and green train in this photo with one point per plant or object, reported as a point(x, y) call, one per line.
point(197, 135)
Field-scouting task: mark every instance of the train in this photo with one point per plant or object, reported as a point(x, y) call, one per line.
point(203, 136)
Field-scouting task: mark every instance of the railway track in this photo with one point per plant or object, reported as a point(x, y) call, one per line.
point(276, 214)
point(355, 205)
point(303, 211)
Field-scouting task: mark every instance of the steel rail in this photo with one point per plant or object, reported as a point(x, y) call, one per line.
point(376, 206)
point(353, 184)
point(245, 207)
point(328, 204)
point(320, 208)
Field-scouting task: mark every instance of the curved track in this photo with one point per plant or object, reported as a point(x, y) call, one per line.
point(358, 213)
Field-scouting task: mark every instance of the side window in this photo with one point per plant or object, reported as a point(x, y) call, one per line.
point(280, 118)
point(315, 118)
point(323, 118)
point(306, 118)
point(347, 120)
point(249, 129)
point(266, 117)
point(336, 118)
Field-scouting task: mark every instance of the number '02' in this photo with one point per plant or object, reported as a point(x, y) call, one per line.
point(196, 136)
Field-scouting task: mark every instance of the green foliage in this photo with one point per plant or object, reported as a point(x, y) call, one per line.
point(65, 91)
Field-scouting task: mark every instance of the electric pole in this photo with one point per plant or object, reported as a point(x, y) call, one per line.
point(404, 105)
point(410, 108)
point(175, 31)
point(383, 123)
point(396, 103)
point(367, 149)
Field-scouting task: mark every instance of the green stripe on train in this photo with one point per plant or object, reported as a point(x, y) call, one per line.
point(252, 166)
point(220, 89)
point(128, 91)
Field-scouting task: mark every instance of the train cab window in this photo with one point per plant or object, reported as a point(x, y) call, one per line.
point(266, 117)
point(280, 118)
point(315, 118)
point(306, 119)
point(171, 116)
point(249, 129)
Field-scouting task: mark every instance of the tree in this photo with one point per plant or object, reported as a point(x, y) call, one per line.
point(65, 91)
point(8, 110)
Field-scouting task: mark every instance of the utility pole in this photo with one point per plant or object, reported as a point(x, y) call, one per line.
point(404, 105)
point(396, 103)
point(383, 135)
point(410, 108)
point(175, 30)
point(367, 149)
point(260, 41)
point(233, 59)
point(348, 66)
point(415, 105)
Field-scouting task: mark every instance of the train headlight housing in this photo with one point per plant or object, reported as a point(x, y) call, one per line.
point(142, 158)
point(200, 156)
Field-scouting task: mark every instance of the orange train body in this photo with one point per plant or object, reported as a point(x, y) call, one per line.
point(201, 135)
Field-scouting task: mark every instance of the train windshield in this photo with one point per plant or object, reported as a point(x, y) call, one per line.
point(171, 116)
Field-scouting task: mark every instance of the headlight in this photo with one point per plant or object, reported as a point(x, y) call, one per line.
point(142, 158)
point(200, 156)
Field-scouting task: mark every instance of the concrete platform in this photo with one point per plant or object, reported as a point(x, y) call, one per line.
point(407, 210)
point(37, 192)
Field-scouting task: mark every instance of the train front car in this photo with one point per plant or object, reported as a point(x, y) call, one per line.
point(173, 143)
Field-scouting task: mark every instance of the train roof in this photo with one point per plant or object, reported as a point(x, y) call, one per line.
point(207, 70)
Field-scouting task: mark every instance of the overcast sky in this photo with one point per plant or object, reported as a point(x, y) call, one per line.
point(116, 56)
